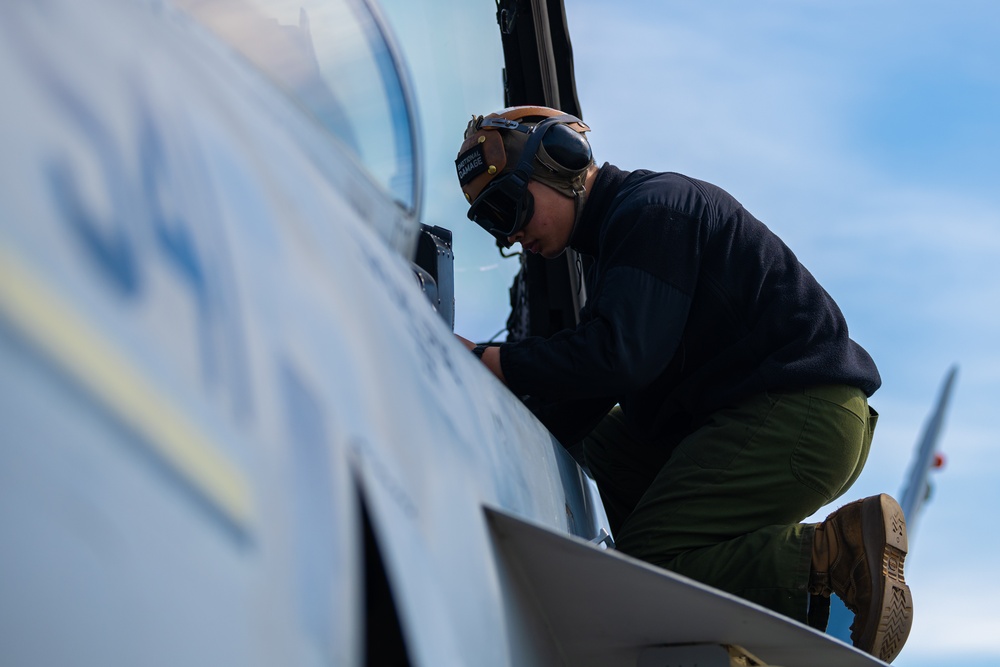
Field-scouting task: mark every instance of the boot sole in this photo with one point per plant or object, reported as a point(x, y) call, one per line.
point(884, 531)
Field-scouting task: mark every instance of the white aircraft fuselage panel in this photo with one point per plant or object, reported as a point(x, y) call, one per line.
point(213, 348)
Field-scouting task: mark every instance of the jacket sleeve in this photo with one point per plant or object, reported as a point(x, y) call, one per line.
point(630, 330)
point(570, 420)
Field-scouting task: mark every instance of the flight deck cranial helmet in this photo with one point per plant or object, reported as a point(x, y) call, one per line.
point(503, 151)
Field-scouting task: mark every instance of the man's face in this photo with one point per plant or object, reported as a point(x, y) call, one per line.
point(548, 231)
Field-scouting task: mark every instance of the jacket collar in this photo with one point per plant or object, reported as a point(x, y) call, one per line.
point(587, 234)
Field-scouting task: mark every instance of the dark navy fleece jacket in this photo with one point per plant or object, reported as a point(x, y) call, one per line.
point(692, 304)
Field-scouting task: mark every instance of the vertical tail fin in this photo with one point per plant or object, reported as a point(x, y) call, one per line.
point(918, 488)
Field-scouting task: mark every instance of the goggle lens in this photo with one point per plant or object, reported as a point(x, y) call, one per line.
point(502, 210)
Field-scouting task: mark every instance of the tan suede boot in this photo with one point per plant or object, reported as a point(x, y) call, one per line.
point(858, 554)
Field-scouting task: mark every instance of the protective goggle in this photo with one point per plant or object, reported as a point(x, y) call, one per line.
point(505, 205)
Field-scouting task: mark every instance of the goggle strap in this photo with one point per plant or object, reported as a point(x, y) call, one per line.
point(501, 123)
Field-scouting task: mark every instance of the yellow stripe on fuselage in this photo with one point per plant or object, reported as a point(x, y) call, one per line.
point(51, 325)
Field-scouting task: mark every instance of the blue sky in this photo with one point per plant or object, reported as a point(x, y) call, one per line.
point(867, 136)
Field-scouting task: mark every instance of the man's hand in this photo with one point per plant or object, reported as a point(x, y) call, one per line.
point(491, 356)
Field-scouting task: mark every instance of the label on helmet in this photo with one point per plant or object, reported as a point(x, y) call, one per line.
point(470, 164)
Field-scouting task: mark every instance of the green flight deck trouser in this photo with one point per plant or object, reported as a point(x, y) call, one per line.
point(723, 507)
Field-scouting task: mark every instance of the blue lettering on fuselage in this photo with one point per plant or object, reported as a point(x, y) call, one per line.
point(106, 241)
point(146, 225)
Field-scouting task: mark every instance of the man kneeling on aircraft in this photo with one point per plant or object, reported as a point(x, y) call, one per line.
point(711, 379)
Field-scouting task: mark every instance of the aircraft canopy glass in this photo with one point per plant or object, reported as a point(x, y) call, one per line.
point(333, 57)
